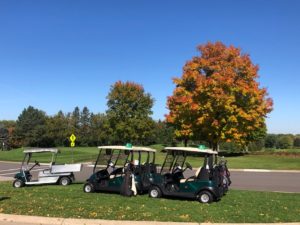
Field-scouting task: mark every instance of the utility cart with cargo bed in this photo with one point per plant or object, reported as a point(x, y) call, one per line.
point(52, 173)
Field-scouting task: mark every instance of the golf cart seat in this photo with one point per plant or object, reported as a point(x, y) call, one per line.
point(116, 173)
point(192, 178)
point(203, 174)
point(102, 174)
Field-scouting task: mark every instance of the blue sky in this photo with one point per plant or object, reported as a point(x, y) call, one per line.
point(59, 54)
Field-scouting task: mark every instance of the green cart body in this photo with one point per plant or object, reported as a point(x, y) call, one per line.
point(209, 183)
point(120, 163)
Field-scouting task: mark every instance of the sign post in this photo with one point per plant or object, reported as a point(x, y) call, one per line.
point(72, 144)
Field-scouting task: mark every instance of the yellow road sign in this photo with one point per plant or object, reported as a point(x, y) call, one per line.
point(72, 138)
point(72, 144)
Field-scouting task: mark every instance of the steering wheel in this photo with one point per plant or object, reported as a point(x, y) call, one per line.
point(176, 168)
point(37, 163)
point(188, 166)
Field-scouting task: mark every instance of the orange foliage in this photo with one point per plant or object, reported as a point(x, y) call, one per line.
point(218, 97)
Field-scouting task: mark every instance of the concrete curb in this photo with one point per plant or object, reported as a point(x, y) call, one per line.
point(264, 171)
point(8, 218)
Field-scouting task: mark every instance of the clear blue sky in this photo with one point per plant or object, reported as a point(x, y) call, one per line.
point(59, 54)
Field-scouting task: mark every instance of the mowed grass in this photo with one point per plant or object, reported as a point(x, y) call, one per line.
point(274, 162)
point(67, 155)
point(89, 154)
point(72, 202)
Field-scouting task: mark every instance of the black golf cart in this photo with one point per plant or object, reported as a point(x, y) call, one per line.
point(123, 169)
point(210, 182)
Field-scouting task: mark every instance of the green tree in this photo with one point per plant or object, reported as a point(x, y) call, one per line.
point(74, 124)
point(31, 128)
point(284, 141)
point(270, 141)
point(85, 127)
point(129, 111)
point(100, 130)
point(57, 129)
point(297, 141)
point(163, 133)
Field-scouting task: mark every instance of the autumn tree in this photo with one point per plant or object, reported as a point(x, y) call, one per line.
point(129, 110)
point(218, 98)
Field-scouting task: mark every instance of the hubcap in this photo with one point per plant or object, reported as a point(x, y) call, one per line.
point(64, 182)
point(88, 188)
point(154, 193)
point(204, 198)
point(17, 184)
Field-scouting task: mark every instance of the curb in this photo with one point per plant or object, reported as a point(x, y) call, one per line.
point(264, 171)
point(8, 218)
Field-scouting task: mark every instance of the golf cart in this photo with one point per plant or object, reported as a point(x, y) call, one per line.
point(206, 185)
point(122, 170)
point(52, 174)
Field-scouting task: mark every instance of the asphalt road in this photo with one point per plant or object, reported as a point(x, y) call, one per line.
point(260, 181)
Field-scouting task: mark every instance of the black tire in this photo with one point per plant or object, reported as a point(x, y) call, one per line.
point(18, 183)
point(205, 197)
point(155, 192)
point(88, 188)
point(64, 181)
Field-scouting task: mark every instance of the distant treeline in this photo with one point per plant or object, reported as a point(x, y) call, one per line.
point(271, 141)
point(35, 128)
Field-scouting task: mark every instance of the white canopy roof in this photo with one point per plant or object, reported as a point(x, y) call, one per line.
point(41, 150)
point(190, 149)
point(133, 148)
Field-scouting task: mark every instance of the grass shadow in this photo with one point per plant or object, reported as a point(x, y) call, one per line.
point(4, 198)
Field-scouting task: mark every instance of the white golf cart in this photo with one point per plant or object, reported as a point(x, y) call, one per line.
point(51, 174)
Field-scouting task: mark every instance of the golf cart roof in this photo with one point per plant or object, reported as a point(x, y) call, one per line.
point(133, 148)
point(41, 150)
point(190, 149)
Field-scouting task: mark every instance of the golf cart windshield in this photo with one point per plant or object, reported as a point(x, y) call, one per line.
point(176, 157)
point(47, 153)
point(173, 159)
point(118, 156)
point(112, 157)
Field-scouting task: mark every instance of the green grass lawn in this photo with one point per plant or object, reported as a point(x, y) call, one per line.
point(71, 201)
point(88, 154)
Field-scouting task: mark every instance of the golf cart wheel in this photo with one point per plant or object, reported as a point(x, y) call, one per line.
point(88, 188)
point(64, 181)
point(155, 192)
point(205, 197)
point(18, 184)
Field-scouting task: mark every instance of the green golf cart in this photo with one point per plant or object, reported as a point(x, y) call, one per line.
point(208, 183)
point(122, 169)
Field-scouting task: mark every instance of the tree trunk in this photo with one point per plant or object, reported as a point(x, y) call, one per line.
point(215, 146)
point(185, 142)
